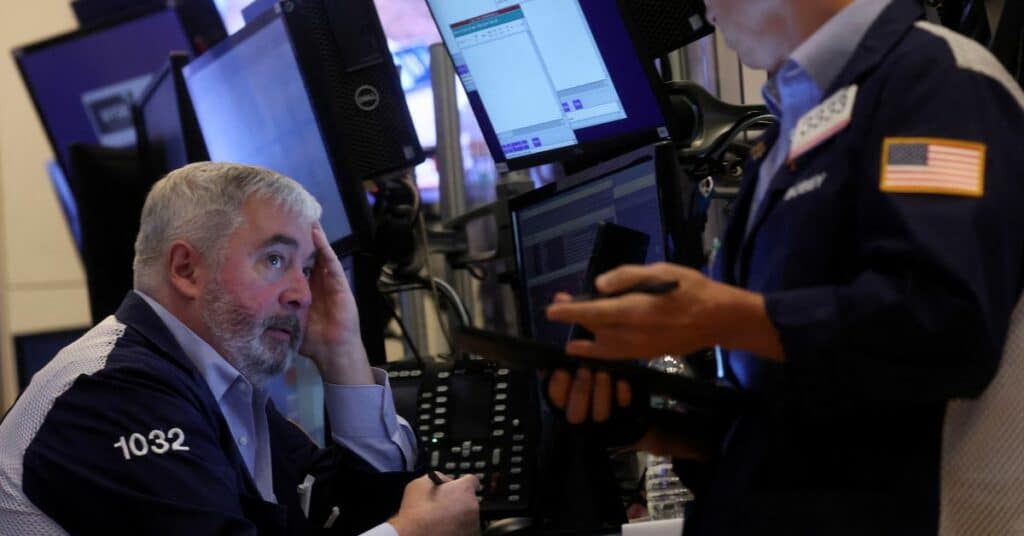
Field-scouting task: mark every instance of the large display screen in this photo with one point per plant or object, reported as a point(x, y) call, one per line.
point(84, 83)
point(555, 234)
point(549, 75)
point(253, 108)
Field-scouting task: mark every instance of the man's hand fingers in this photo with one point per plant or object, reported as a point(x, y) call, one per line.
point(584, 348)
point(438, 478)
point(623, 393)
point(621, 278)
point(326, 260)
point(599, 312)
point(470, 483)
point(558, 388)
point(578, 408)
point(602, 348)
point(630, 275)
point(602, 405)
point(616, 343)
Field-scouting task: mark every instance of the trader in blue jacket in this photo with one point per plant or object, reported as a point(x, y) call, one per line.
point(867, 277)
point(157, 420)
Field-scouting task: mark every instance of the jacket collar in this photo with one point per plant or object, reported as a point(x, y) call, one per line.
point(137, 314)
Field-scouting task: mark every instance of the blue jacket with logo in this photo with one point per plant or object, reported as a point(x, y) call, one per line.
point(121, 435)
point(888, 304)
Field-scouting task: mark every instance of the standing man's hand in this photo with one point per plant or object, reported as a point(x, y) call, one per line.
point(700, 313)
point(450, 509)
point(587, 395)
point(332, 339)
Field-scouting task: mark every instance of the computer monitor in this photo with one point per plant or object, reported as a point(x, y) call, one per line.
point(554, 228)
point(549, 79)
point(309, 89)
point(410, 32)
point(201, 19)
point(253, 108)
point(167, 129)
point(83, 83)
point(256, 8)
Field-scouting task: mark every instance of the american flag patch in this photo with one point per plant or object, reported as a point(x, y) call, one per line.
point(933, 166)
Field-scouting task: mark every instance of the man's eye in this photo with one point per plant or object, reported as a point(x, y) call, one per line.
point(307, 271)
point(275, 260)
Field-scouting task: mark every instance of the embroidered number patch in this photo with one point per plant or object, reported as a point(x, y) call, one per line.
point(823, 122)
point(156, 442)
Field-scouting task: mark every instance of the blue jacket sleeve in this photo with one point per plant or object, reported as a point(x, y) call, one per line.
point(925, 316)
point(125, 448)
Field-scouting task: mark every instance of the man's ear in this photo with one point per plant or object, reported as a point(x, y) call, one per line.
point(184, 269)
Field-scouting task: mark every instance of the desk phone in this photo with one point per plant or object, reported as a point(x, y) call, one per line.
point(474, 416)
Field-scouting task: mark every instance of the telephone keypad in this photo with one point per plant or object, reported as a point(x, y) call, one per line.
point(504, 479)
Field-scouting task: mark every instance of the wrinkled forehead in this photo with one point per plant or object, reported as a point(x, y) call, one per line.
point(264, 219)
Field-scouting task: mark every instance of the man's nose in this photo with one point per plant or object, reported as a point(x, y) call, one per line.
point(297, 294)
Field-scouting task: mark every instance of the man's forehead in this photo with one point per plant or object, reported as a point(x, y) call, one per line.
point(270, 224)
point(280, 239)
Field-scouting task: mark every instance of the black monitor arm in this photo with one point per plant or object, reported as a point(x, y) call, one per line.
point(709, 125)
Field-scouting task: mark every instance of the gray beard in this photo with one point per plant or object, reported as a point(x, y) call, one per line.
point(240, 334)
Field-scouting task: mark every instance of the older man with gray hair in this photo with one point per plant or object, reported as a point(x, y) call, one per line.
point(157, 420)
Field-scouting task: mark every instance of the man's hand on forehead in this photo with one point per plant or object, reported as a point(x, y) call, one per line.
point(332, 333)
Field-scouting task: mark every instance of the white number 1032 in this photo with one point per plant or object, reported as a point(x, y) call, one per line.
point(156, 442)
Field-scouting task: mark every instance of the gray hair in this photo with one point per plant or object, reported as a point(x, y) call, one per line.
point(201, 204)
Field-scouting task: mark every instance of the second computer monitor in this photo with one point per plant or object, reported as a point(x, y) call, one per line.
point(555, 226)
point(83, 83)
point(253, 108)
point(552, 78)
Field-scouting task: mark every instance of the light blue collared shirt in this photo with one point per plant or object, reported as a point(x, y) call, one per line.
point(362, 417)
point(800, 84)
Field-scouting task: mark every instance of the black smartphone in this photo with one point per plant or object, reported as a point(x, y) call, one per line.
point(614, 246)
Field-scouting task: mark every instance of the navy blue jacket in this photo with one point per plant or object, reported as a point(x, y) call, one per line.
point(887, 304)
point(128, 378)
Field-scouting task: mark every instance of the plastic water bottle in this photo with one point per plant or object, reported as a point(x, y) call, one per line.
point(666, 495)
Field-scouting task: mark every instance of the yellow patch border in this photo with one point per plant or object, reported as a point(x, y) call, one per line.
point(979, 191)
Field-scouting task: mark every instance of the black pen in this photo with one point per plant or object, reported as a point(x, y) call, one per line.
point(435, 478)
point(650, 287)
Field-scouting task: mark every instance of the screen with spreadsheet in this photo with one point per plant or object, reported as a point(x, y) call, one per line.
point(578, 77)
point(554, 235)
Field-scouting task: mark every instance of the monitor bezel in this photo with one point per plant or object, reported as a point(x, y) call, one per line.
point(593, 150)
point(20, 53)
point(649, 153)
point(359, 226)
point(195, 145)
